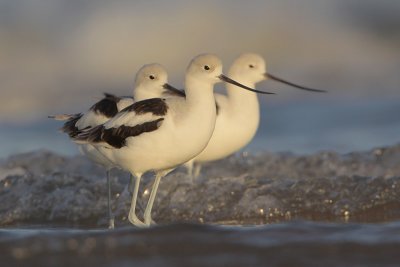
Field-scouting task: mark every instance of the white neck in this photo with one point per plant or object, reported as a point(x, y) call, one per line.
point(140, 94)
point(199, 96)
point(199, 114)
point(241, 100)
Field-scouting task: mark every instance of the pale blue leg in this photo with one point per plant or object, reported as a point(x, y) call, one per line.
point(131, 185)
point(132, 211)
point(196, 171)
point(189, 167)
point(110, 215)
point(147, 213)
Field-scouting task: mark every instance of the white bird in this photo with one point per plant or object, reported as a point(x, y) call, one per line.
point(150, 82)
point(159, 134)
point(238, 113)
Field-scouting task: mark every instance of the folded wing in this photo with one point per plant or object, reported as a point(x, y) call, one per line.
point(136, 119)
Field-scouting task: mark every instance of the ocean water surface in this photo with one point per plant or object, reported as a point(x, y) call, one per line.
point(297, 126)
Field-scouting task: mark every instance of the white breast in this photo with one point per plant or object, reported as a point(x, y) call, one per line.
point(236, 125)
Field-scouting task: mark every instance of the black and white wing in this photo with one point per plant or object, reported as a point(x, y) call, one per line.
point(136, 119)
point(69, 126)
point(100, 112)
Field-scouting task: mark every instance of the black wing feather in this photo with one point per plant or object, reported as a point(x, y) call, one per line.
point(69, 126)
point(107, 106)
point(116, 137)
point(156, 106)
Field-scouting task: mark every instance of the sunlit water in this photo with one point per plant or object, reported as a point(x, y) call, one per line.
point(253, 209)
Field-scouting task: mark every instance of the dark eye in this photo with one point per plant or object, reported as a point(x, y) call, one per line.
point(251, 66)
point(206, 67)
point(151, 77)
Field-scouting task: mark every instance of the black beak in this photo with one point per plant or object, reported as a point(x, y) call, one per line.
point(173, 90)
point(229, 80)
point(272, 77)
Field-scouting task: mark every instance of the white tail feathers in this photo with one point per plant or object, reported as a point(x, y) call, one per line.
point(62, 117)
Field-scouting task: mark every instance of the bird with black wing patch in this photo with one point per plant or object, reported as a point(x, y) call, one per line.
point(151, 81)
point(161, 133)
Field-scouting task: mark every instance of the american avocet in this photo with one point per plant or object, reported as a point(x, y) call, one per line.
point(160, 134)
point(150, 82)
point(238, 111)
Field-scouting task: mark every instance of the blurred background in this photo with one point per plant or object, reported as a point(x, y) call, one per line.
point(59, 56)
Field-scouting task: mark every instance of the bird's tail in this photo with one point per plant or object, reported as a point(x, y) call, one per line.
point(69, 126)
point(91, 135)
point(64, 117)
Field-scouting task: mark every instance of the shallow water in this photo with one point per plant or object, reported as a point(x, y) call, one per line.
point(277, 209)
point(248, 188)
point(287, 244)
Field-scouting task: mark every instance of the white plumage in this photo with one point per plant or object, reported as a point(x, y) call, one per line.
point(150, 82)
point(160, 134)
point(238, 111)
